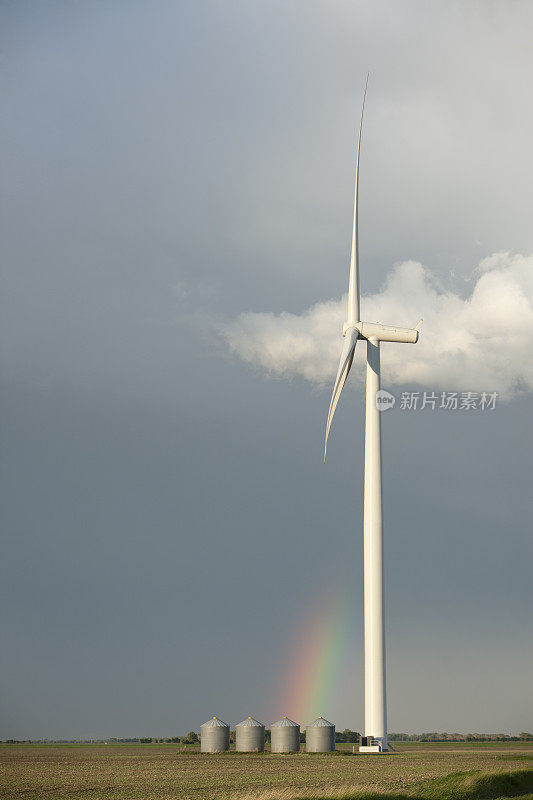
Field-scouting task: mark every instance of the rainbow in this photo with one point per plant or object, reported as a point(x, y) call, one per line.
point(320, 667)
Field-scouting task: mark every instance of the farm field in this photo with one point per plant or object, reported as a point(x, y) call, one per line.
point(163, 772)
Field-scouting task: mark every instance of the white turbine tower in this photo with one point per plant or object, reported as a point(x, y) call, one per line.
point(374, 621)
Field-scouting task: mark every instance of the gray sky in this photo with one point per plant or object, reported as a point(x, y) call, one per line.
point(169, 528)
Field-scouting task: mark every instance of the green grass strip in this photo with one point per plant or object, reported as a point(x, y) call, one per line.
point(473, 785)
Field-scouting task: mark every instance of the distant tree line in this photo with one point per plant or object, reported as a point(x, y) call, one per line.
point(459, 737)
point(191, 738)
point(346, 735)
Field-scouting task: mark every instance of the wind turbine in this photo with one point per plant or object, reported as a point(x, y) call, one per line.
point(375, 739)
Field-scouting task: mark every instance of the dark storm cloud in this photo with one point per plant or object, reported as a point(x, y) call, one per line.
point(167, 167)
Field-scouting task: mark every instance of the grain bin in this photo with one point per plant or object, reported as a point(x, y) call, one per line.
point(250, 736)
point(214, 736)
point(320, 736)
point(285, 736)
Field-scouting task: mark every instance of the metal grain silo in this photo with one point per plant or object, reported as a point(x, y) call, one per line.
point(250, 736)
point(214, 736)
point(320, 736)
point(285, 736)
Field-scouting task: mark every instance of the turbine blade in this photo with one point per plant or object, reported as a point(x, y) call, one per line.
point(353, 289)
point(348, 349)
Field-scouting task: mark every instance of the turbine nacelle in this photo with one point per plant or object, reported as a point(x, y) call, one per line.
point(383, 333)
point(373, 331)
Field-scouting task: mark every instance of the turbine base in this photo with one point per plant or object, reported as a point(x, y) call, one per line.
point(373, 744)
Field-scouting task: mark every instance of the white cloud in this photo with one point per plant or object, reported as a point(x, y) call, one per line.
point(481, 342)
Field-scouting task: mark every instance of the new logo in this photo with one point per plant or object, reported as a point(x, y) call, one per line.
point(384, 400)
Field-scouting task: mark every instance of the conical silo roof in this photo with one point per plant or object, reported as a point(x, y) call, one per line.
point(250, 722)
point(285, 722)
point(215, 722)
point(320, 722)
